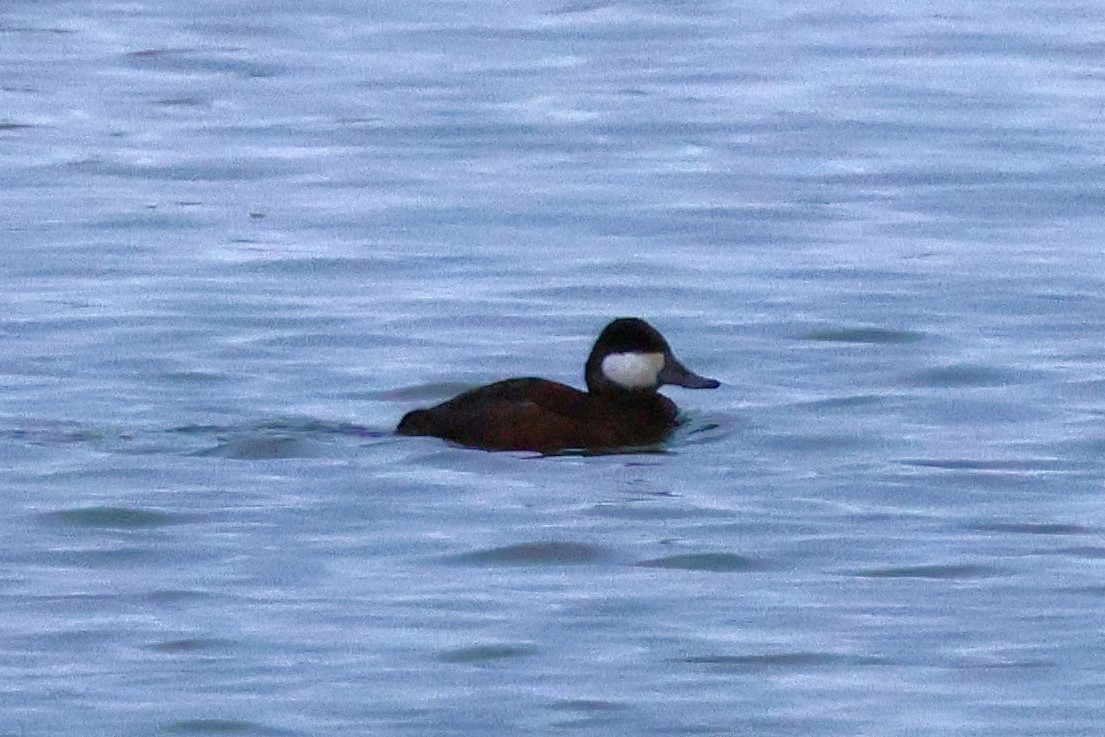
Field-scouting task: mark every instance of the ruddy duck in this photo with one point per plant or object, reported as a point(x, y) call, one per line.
point(620, 409)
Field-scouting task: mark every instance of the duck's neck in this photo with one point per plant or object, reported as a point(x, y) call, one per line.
point(651, 403)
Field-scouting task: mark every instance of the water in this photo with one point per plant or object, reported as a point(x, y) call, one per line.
point(239, 244)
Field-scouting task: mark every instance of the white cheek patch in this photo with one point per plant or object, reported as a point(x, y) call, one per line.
point(633, 370)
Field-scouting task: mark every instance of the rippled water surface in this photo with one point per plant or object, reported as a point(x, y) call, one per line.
point(240, 242)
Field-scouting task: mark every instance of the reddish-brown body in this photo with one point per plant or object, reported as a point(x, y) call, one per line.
point(546, 416)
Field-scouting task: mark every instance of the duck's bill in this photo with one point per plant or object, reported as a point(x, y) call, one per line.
point(679, 375)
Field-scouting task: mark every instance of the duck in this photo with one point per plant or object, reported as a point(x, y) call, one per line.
point(620, 410)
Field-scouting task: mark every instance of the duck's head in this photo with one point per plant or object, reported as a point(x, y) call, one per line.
point(631, 355)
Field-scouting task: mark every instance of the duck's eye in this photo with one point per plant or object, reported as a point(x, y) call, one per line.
point(633, 370)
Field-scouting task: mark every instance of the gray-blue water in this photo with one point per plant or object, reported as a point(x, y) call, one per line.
point(240, 240)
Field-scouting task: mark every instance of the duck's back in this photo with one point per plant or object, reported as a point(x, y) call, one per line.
point(545, 416)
